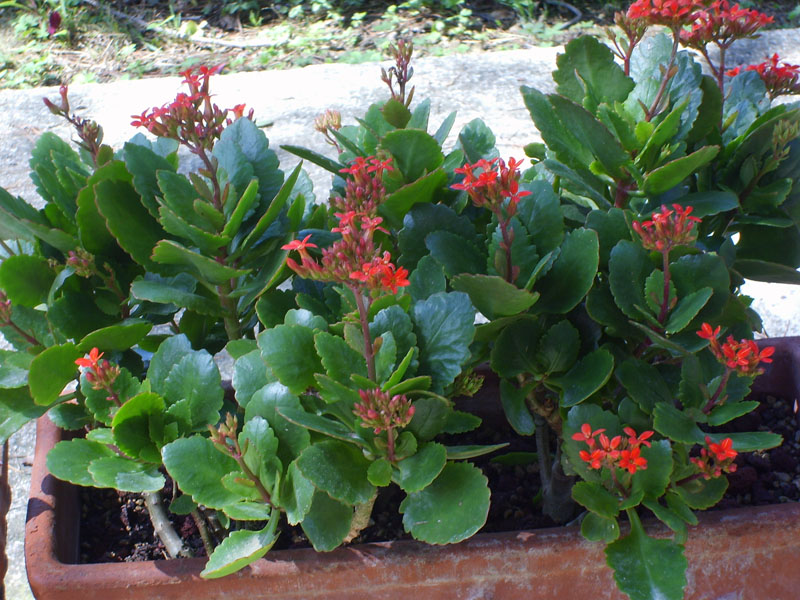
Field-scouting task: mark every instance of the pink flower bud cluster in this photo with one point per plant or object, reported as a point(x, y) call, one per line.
point(100, 374)
point(779, 78)
point(81, 262)
point(743, 356)
point(495, 186)
point(5, 309)
point(617, 452)
point(191, 119)
point(722, 24)
point(667, 229)
point(383, 412)
point(355, 259)
point(715, 460)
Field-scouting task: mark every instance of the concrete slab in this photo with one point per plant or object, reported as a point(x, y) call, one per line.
point(476, 85)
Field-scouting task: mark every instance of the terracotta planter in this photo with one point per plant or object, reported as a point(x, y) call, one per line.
point(744, 554)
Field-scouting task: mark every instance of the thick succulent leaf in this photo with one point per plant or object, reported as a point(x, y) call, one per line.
point(16, 409)
point(414, 151)
point(70, 460)
point(265, 403)
point(493, 296)
point(26, 280)
point(477, 141)
point(423, 219)
point(196, 379)
point(207, 270)
point(118, 337)
point(126, 475)
point(666, 177)
point(50, 371)
point(339, 360)
point(418, 471)
point(445, 328)
point(327, 522)
point(427, 279)
point(451, 509)
point(646, 568)
point(135, 423)
point(596, 498)
point(339, 469)
point(239, 549)
point(290, 353)
point(420, 190)
point(629, 266)
point(587, 376)
point(653, 480)
point(644, 384)
point(516, 409)
point(572, 274)
point(198, 468)
point(168, 291)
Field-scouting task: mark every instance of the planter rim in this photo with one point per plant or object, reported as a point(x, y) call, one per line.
point(501, 565)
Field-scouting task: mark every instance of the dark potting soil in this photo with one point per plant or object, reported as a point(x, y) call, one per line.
point(115, 527)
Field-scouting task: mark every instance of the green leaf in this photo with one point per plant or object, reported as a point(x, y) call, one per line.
point(198, 468)
point(731, 410)
point(296, 494)
point(701, 494)
point(572, 274)
point(418, 471)
point(666, 177)
point(592, 134)
point(415, 152)
point(338, 359)
point(430, 417)
point(653, 480)
point(456, 254)
point(423, 219)
point(477, 141)
point(116, 337)
point(587, 376)
point(445, 328)
point(239, 549)
point(242, 207)
point(206, 269)
point(14, 369)
point(461, 422)
point(647, 568)
point(316, 158)
point(133, 424)
point(493, 296)
point(540, 213)
point(126, 475)
point(599, 529)
point(450, 509)
point(515, 347)
point(759, 270)
point(596, 498)
point(587, 69)
point(472, 450)
point(750, 441)
point(70, 460)
point(290, 352)
point(558, 348)
point(249, 376)
point(164, 291)
point(274, 209)
point(26, 280)
point(516, 409)
point(669, 517)
point(50, 371)
point(687, 309)
point(134, 228)
point(265, 403)
point(676, 425)
point(644, 384)
point(427, 279)
point(339, 469)
point(629, 266)
point(169, 353)
point(327, 522)
point(125, 386)
point(196, 379)
point(706, 204)
point(16, 409)
point(380, 472)
point(400, 201)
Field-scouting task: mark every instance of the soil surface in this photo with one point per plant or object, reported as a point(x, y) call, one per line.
point(116, 526)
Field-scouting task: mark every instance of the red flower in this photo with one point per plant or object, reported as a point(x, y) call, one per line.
point(742, 356)
point(722, 451)
point(667, 229)
point(496, 185)
point(634, 441)
point(722, 24)
point(670, 13)
point(91, 362)
point(299, 245)
point(778, 78)
point(707, 333)
point(631, 460)
point(587, 435)
point(594, 458)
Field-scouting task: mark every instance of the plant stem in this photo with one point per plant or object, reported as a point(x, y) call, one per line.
point(369, 353)
point(662, 315)
point(28, 338)
point(507, 241)
point(201, 527)
point(5, 247)
point(651, 112)
point(173, 544)
point(543, 451)
point(361, 517)
point(713, 400)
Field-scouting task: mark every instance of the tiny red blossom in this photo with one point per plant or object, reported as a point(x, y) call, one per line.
point(667, 229)
point(299, 245)
point(615, 452)
point(674, 14)
point(742, 356)
point(496, 186)
point(779, 78)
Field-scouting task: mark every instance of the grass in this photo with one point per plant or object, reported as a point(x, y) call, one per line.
point(95, 44)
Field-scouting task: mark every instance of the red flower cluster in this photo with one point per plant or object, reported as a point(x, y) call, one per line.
point(354, 260)
point(670, 13)
point(722, 24)
point(742, 356)
point(717, 459)
point(624, 453)
point(778, 78)
point(381, 411)
point(495, 184)
point(667, 229)
point(191, 118)
point(100, 374)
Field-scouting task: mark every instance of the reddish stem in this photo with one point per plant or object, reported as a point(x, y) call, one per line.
point(369, 353)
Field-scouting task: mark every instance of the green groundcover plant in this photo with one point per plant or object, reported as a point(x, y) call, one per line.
point(601, 285)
